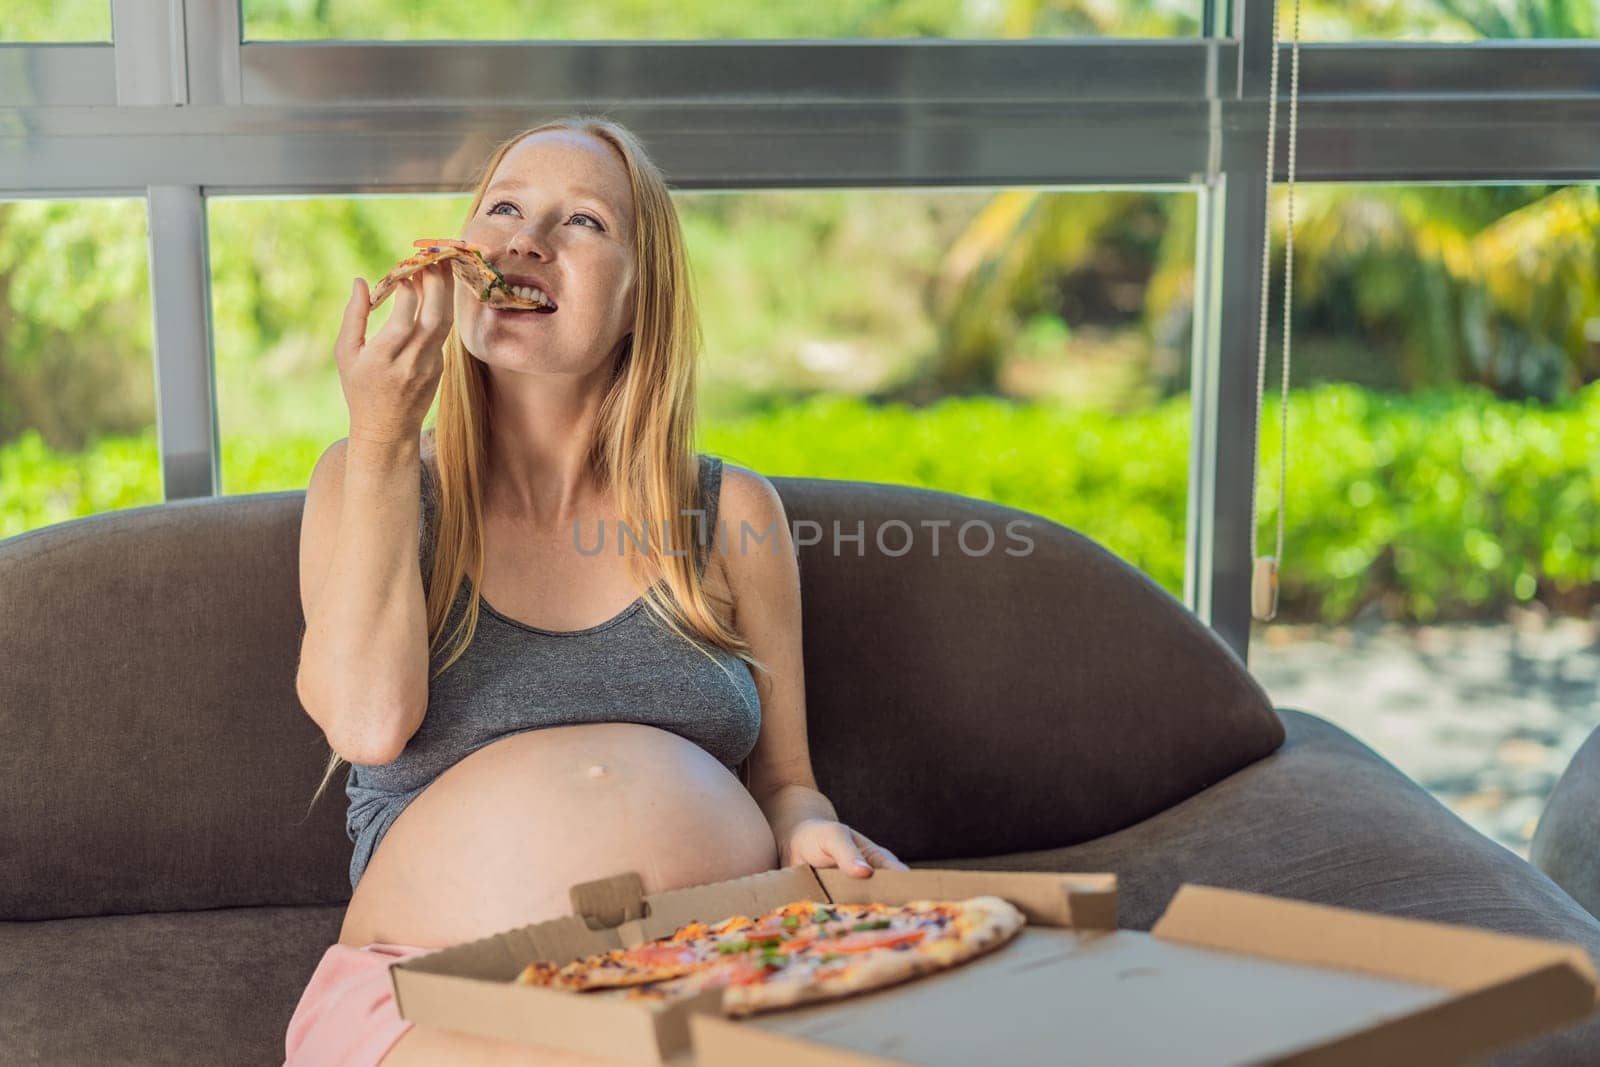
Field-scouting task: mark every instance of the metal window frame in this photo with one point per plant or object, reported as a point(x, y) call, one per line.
point(179, 108)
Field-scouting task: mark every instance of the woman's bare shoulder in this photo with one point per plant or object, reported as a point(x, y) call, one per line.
point(748, 495)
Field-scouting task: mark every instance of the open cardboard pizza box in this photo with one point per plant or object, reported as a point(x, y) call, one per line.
point(1224, 978)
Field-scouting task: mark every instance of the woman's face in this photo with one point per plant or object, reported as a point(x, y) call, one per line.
point(558, 208)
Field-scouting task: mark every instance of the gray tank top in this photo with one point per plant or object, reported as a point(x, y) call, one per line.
point(515, 677)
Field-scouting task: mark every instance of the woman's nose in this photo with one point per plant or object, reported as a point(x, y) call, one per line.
point(529, 241)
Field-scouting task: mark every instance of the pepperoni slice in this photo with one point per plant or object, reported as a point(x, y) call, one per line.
point(742, 972)
point(867, 940)
point(446, 242)
point(660, 955)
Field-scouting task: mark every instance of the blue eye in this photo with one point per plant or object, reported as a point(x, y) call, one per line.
point(578, 215)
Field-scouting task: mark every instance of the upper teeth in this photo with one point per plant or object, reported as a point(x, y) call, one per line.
point(530, 294)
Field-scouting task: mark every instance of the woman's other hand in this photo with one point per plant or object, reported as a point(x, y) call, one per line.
point(826, 843)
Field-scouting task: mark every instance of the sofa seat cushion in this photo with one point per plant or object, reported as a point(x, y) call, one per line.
point(1325, 819)
point(162, 988)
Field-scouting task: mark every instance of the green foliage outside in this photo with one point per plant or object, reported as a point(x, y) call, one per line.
point(500, 20)
point(1433, 507)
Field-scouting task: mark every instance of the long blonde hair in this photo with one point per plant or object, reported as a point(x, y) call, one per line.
point(643, 443)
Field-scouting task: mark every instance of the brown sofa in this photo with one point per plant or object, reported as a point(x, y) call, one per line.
point(166, 892)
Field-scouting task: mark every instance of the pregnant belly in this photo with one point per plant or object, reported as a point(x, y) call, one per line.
point(497, 840)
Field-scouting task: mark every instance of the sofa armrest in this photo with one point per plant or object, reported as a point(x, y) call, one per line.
point(1566, 844)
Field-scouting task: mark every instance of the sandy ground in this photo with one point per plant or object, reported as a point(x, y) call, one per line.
point(1486, 716)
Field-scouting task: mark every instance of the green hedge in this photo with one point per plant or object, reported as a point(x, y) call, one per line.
point(1440, 505)
point(1436, 506)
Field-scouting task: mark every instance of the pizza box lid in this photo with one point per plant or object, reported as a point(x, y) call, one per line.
point(1223, 978)
point(470, 987)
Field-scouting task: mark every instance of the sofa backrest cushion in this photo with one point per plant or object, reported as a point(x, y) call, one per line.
point(968, 705)
point(157, 757)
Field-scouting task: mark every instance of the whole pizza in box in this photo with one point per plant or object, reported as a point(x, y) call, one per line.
point(800, 953)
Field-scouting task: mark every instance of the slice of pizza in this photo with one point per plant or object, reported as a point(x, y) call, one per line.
point(469, 264)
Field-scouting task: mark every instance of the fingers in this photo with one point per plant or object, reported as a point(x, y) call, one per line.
point(877, 855)
point(402, 317)
point(438, 291)
point(353, 329)
point(841, 847)
point(824, 843)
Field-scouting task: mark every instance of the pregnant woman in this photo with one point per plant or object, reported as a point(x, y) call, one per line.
point(534, 706)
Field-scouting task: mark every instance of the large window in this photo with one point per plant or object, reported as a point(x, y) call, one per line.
point(1442, 535)
point(1016, 345)
point(523, 20)
point(511, 20)
point(77, 392)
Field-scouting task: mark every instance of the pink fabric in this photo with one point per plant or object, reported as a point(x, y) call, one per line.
point(347, 1016)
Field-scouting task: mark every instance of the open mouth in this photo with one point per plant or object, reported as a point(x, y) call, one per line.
point(521, 301)
point(502, 299)
point(500, 295)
